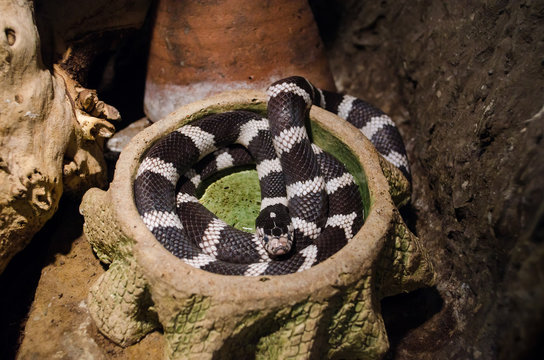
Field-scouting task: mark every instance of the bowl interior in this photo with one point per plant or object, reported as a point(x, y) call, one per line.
point(234, 194)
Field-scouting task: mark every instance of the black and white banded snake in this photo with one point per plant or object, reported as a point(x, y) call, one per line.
point(310, 204)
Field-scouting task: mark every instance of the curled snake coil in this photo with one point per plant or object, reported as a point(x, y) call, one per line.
point(310, 205)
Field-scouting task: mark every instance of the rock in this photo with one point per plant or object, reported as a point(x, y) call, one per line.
point(122, 138)
point(53, 131)
point(464, 82)
point(37, 131)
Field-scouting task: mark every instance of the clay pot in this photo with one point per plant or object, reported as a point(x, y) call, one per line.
point(328, 311)
point(199, 48)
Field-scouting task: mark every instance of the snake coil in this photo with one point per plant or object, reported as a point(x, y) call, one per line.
point(310, 204)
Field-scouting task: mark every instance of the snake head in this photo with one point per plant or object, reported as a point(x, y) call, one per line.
point(275, 245)
point(275, 232)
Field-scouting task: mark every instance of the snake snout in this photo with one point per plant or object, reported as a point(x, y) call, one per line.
point(279, 245)
point(275, 245)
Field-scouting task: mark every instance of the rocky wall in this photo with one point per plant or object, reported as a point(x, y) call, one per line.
point(464, 81)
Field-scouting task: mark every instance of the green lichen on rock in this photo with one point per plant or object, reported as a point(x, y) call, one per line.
point(399, 187)
point(295, 338)
point(106, 238)
point(187, 331)
point(356, 328)
point(235, 199)
point(403, 264)
point(120, 304)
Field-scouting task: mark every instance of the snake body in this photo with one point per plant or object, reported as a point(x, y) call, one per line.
point(310, 204)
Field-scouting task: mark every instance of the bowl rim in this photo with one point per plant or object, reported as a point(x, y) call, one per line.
point(161, 267)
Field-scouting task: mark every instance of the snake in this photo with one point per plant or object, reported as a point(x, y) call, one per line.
point(310, 204)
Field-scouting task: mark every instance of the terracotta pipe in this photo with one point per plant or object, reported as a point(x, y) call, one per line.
point(199, 48)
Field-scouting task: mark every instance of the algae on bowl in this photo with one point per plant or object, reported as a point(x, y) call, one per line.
point(235, 199)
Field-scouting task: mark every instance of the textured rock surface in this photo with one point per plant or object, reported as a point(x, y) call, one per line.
point(52, 128)
point(465, 82)
point(36, 124)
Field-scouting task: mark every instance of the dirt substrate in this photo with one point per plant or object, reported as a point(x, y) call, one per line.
point(465, 84)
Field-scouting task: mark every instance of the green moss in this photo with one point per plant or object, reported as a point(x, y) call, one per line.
point(235, 199)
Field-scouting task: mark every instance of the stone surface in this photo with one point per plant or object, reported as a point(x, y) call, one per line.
point(35, 124)
point(121, 138)
point(464, 81)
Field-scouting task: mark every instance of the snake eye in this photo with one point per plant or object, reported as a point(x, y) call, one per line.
point(265, 239)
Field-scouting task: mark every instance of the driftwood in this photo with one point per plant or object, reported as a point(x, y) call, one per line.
point(52, 131)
